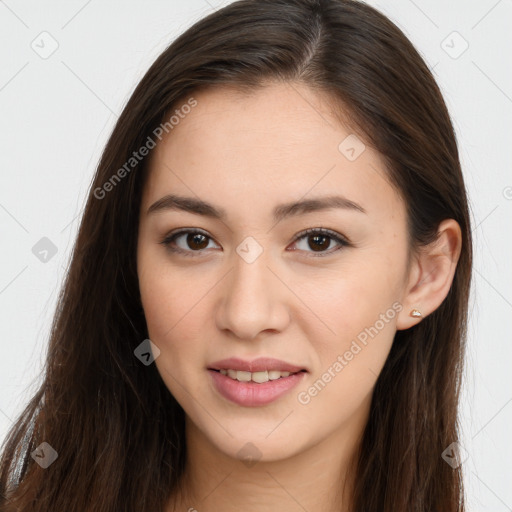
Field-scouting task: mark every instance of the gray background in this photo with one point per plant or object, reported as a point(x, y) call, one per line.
point(56, 114)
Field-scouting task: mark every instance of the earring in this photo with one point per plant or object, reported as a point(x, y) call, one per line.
point(416, 313)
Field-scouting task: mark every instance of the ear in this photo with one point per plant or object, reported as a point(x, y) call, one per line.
point(431, 274)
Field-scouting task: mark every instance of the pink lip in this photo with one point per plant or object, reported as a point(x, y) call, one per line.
point(257, 365)
point(252, 394)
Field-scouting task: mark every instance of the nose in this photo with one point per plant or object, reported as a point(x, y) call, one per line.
point(253, 299)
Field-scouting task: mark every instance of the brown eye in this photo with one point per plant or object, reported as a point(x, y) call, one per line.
point(318, 240)
point(196, 241)
point(187, 242)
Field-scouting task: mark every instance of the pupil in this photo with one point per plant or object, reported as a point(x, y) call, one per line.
point(192, 238)
point(316, 237)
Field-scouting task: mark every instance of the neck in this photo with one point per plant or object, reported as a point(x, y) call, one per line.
point(320, 478)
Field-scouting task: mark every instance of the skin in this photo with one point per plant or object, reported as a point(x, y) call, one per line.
point(247, 154)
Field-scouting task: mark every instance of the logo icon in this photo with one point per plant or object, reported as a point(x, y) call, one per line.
point(147, 352)
point(45, 45)
point(44, 250)
point(454, 455)
point(44, 455)
point(454, 45)
point(351, 147)
point(249, 454)
point(249, 250)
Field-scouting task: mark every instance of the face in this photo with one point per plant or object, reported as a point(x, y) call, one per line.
point(242, 277)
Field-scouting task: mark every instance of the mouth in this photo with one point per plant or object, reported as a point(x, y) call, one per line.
point(257, 377)
point(254, 383)
point(256, 366)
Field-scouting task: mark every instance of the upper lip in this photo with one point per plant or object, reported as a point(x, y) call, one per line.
point(256, 365)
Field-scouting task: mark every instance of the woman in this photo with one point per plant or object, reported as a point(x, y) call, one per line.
point(267, 302)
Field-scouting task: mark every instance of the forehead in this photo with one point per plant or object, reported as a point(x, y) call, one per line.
point(277, 143)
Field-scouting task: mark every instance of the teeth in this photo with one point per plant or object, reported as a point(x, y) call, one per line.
point(243, 376)
point(259, 377)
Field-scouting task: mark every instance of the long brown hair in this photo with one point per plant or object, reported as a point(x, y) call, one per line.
point(118, 431)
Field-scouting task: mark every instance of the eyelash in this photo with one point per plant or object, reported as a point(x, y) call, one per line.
point(342, 241)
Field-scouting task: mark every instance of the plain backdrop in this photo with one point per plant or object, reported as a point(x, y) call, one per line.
point(68, 68)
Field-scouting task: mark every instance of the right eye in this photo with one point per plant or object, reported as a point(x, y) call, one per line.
point(195, 239)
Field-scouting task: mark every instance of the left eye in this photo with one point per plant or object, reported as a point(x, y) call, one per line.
point(317, 239)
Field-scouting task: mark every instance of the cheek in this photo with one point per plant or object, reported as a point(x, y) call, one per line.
point(166, 293)
point(346, 302)
point(171, 308)
point(175, 320)
point(356, 316)
point(175, 304)
point(160, 297)
point(361, 312)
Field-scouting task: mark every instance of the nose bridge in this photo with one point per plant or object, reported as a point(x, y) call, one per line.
point(252, 297)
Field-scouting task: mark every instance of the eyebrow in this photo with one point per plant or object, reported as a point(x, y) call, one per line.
point(282, 211)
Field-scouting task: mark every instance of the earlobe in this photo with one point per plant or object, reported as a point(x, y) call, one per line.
point(431, 275)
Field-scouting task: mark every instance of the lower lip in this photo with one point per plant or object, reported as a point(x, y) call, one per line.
point(252, 394)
